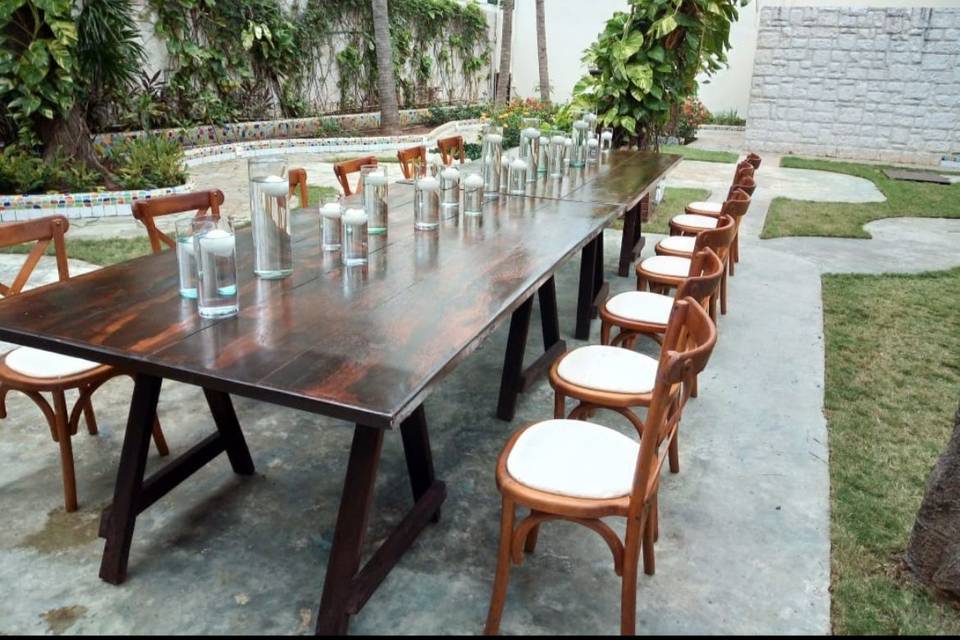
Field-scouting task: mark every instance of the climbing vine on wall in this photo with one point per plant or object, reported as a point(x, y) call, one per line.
point(242, 59)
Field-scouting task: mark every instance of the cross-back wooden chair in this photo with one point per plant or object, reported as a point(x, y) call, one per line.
point(297, 179)
point(671, 266)
point(583, 472)
point(452, 148)
point(742, 176)
point(747, 184)
point(411, 157)
point(736, 205)
point(35, 371)
point(147, 211)
point(343, 170)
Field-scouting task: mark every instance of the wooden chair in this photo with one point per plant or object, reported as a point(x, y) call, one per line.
point(297, 179)
point(344, 169)
point(666, 271)
point(743, 177)
point(410, 157)
point(582, 472)
point(644, 313)
point(452, 148)
point(35, 371)
point(754, 160)
point(147, 211)
point(736, 206)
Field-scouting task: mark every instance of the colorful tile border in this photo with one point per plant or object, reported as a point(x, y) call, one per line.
point(95, 204)
point(263, 130)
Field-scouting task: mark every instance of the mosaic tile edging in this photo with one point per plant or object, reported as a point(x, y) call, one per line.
point(217, 153)
point(236, 132)
point(94, 204)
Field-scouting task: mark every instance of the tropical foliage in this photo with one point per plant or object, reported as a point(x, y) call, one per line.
point(645, 62)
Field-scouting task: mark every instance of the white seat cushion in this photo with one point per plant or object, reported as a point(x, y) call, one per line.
point(574, 458)
point(705, 207)
point(674, 266)
point(641, 306)
point(38, 363)
point(612, 369)
point(683, 244)
point(692, 220)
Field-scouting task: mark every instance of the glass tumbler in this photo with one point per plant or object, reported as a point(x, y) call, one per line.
point(490, 156)
point(375, 197)
point(354, 236)
point(216, 250)
point(426, 203)
point(270, 217)
point(578, 152)
point(473, 195)
point(557, 149)
point(518, 177)
point(330, 230)
point(186, 257)
point(606, 140)
point(530, 146)
point(450, 190)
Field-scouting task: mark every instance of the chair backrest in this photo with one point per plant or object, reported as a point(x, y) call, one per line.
point(344, 169)
point(747, 184)
point(717, 239)
point(687, 345)
point(297, 179)
point(706, 272)
point(451, 148)
point(410, 157)
point(743, 169)
point(736, 204)
point(146, 211)
point(42, 231)
point(754, 160)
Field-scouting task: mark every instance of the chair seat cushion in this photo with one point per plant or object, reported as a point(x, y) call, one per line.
point(641, 306)
point(674, 266)
point(574, 458)
point(692, 220)
point(705, 207)
point(611, 369)
point(37, 363)
point(684, 244)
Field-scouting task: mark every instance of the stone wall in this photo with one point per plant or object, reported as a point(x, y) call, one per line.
point(859, 83)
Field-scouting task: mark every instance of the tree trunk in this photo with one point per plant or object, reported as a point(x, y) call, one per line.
point(506, 38)
point(70, 137)
point(542, 54)
point(386, 83)
point(934, 552)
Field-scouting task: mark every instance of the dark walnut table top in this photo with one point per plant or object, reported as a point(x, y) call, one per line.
point(363, 344)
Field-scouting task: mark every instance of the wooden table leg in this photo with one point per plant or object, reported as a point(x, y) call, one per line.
point(221, 407)
point(515, 377)
point(347, 587)
point(600, 285)
point(586, 292)
point(133, 462)
point(631, 226)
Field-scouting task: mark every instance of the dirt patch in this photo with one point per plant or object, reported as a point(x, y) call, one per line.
point(64, 531)
point(59, 620)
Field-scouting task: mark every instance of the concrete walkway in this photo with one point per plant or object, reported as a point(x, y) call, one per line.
point(744, 544)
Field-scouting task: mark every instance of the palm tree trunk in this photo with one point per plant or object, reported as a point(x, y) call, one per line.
point(386, 83)
point(933, 555)
point(542, 54)
point(506, 37)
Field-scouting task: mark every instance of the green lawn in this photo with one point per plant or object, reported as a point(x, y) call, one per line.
point(892, 374)
point(100, 252)
point(703, 155)
point(674, 200)
point(316, 193)
point(845, 220)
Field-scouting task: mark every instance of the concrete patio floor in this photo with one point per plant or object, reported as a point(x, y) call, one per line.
point(744, 545)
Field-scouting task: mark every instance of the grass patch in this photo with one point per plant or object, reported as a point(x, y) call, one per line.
point(316, 194)
point(703, 155)
point(892, 353)
point(845, 220)
point(674, 201)
point(102, 252)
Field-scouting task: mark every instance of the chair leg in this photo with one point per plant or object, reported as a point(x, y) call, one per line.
point(649, 538)
point(158, 438)
point(530, 544)
point(605, 327)
point(61, 422)
point(559, 405)
point(673, 452)
point(641, 283)
point(628, 585)
point(723, 293)
point(499, 596)
point(89, 418)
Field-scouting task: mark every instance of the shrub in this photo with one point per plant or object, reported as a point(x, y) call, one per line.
point(729, 118)
point(689, 116)
point(25, 172)
point(147, 162)
point(511, 115)
point(442, 115)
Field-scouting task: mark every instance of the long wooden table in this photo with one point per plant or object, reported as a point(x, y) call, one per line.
point(364, 344)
